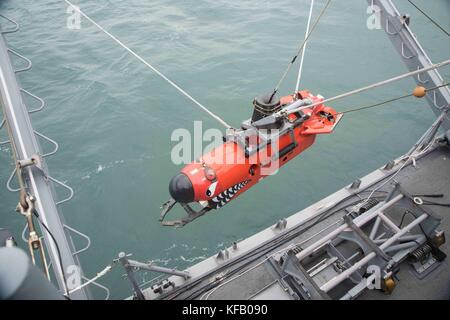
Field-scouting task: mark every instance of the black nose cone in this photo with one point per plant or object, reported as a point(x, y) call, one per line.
point(181, 189)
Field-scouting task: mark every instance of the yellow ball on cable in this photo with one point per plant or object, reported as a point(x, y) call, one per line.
point(419, 92)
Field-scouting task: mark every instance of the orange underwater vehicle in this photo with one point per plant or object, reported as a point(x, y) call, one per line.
point(264, 143)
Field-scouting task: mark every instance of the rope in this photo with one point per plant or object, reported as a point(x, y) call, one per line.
point(374, 85)
point(430, 18)
point(99, 275)
point(392, 100)
point(300, 68)
point(277, 87)
point(173, 84)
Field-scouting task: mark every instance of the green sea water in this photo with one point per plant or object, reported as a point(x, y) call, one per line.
point(113, 117)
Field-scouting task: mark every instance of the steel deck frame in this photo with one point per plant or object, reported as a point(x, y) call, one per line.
point(38, 181)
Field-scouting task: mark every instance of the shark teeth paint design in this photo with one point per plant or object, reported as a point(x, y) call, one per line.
point(225, 196)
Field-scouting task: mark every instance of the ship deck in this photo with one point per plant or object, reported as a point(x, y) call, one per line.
point(250, 269)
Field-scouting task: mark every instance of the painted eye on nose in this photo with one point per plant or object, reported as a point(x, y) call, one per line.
point(211, 189)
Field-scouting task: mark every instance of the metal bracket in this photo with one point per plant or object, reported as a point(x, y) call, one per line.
point(41, 106)
point(88, 240)
point(355, 185)
point(223, 255)
point(420, 79)
point(41, 101)
point(53, 142)
point(308, 287)
point(16, 25)
point(99, 286)
point(412, 55)
point(344, 262)
point(392, 21)
point(28, 61)
point(65, 186)
point(132, 265)
point(389, 165)
point(364, 238)
point(440, 107)
point(56, 181)
point(9, 181)
point(35, 160)
point(280, 225)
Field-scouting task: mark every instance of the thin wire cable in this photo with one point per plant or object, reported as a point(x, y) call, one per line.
point(300, 68)
point(391, 100)
point(430, 18)
point(376, 104)
point(159, 73)
point(277, 87)
point(372, 86)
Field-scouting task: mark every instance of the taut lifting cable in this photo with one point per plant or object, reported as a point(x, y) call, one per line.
point(300, 68)
point(372, 86)
point(173, 84)
point(277, 87)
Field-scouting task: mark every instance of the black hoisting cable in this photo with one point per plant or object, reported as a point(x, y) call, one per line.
point(377, 104)
point(430, 18)
point(36, 214)
point(277, 87)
